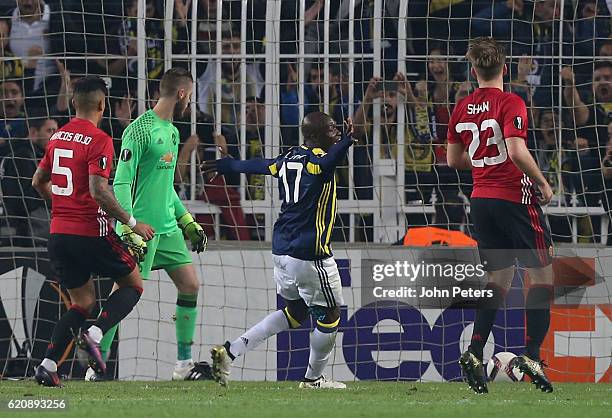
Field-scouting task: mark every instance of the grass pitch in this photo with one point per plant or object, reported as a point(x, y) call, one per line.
point(284, 399)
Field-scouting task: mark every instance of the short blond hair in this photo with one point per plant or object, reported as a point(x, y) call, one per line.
point(487, 57)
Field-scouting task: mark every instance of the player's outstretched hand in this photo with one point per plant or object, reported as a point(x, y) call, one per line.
point(349, 128)
point(545, 194)
point(209, 167)
point(144, 230)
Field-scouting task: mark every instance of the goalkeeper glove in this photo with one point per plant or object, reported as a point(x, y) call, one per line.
point(136, 245)
point(193, 232)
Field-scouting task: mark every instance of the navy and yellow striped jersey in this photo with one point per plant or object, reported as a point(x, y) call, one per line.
point(304, 226)
point(307, 188)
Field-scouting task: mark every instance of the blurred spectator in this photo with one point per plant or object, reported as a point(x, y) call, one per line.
point(547, 151)
point(439, 90)
point(420, 172)
point(62, 104)
point(594, 128)
point(57, 104)
point(363, 35)
point(578, 114)
point(230, 85)
point(591, 27)
point(315, 91)
point(10, 67)
point(12, 117)
point(533, 28)
point(607, 161)
point(127, 41)
point(227, 198)
point(313, 30)
point(213, 189)
point(123, 42)
point(29, 38)
point(255, 127)
point(122, 114)
point(508, 21)
point(314, 94)
point(606, 168)
point(207, 21)
point(231, 12)
point(565, 170)
point(26, 210)
point(449, 20)
point(605, 50)
point(585, 180)
point(519, 84)
point(314, 99)
point(364, 132)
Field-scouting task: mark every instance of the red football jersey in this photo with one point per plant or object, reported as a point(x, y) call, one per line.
point(482, 121)
point(75, 151)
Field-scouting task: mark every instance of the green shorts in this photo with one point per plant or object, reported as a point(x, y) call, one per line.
point(165, 251)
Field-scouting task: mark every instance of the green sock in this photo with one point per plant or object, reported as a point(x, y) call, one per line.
point(186, 315)
point(107, 341)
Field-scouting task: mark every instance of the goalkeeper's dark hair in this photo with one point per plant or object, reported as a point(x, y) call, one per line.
point(88, 91)
point(173, 80)
point(487, 57)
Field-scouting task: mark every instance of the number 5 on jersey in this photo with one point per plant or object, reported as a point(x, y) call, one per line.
point(62, 171)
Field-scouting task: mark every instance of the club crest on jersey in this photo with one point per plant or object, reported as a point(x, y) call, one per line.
point(167, 158)
point(518, 122)
point(126, 155)
point(102, 162)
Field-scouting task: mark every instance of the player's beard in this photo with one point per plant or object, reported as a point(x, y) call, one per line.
point(179, 109)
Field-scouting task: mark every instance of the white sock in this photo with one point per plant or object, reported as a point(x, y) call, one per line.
point(181, 364)
point(49, 365)
point(95, 333)
point(271, 325)
point(321, 345)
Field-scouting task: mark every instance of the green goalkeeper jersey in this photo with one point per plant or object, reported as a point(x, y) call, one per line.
point(144, 181)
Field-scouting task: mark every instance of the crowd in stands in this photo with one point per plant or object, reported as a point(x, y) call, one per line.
point(560, 65)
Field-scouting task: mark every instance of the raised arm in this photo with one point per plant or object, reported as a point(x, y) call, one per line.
point(335, 155)
point(572, 97)
point(361, 120)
